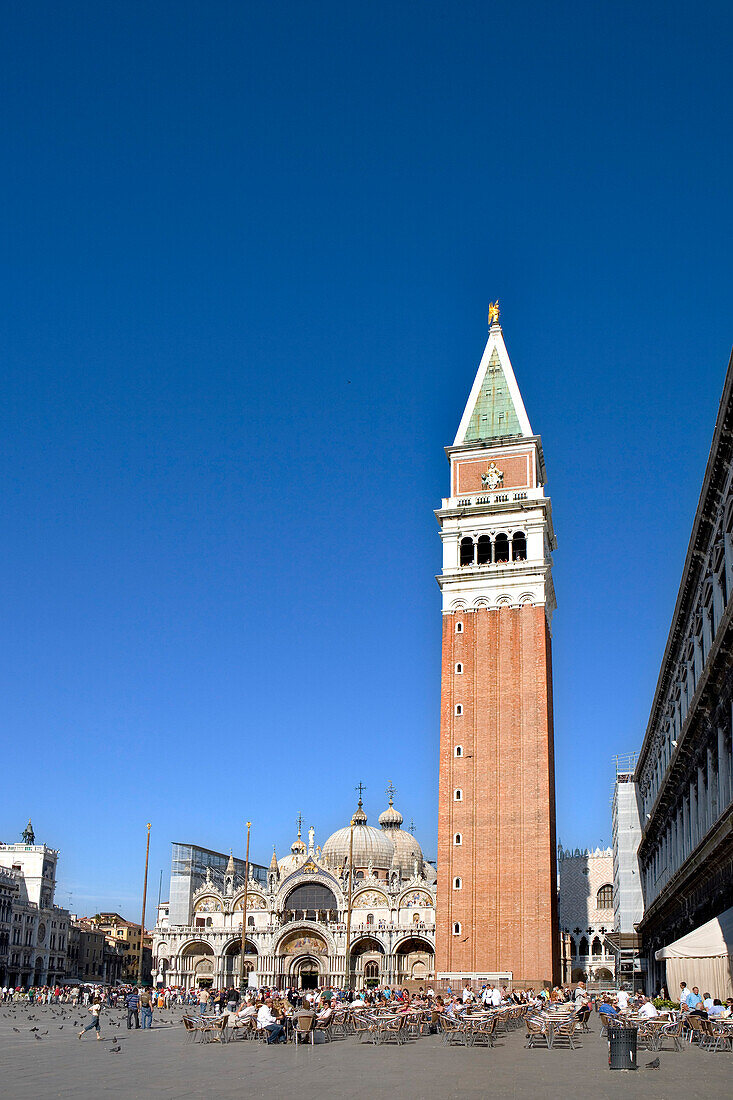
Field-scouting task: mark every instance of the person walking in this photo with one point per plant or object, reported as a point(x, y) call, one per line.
point(132, 1004)
point(95, 1009)
point(146, 1009)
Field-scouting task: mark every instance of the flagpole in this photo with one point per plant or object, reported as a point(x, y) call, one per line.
point(142, 919)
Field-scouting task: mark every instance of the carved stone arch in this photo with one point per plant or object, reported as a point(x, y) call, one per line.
point(504, 601)
point(369, 942)
point(408, 900)
point(419, 939)
point(367, 899)
point(300, 878)
point(482, 601)
point(208, 901)
point(196, 941)
point(527, 598)
point(250, 947)
point(458, 605)
point(256, 901)
point(306, 928)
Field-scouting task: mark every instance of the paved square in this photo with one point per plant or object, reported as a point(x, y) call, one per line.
point(159, 1063)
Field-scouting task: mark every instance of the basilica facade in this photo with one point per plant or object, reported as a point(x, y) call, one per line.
point(301, 912)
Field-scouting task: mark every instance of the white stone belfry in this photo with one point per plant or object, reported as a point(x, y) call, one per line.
point(496, 526)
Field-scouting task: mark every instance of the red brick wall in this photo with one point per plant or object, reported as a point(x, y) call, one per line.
point(518, 470)
point(507, 906)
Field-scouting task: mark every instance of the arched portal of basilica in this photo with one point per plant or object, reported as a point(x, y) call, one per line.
point(296, 922)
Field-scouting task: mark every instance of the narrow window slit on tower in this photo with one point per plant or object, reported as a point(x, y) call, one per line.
point(458, 750)
point(459, 709)
point(459, 628)
point(458, 840)
point(458, 795)
point(459, 668)
point(457, 884)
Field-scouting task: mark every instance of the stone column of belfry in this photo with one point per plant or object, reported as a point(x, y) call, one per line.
point(497, 881)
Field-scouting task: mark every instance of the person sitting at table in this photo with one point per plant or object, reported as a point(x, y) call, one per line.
point(267, 1022)
point(716, 1009)
point(243, 1017)
point(647, 1009)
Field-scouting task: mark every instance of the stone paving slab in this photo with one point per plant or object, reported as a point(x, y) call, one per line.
point(158, 1063)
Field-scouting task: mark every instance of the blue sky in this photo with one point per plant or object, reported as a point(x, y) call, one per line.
point(248, 255)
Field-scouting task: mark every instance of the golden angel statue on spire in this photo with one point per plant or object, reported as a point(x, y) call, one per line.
point(493, 312)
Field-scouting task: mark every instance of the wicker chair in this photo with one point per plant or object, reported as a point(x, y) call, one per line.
point(365, 1027)
point(324, 1025)
point(454, 1033)
point(304, 1027)
point(719, 1036)
point(483, 1034)
point(673, 1031)
point(190, 1029)
point(536, 1032)
point(214, 1031)
point(562, 1034)
point(392, 1030)
point(340, 1023)
point(698, 1032)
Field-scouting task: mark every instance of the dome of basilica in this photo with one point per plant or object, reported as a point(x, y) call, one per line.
point(298, 852)
point(406, 849)
point(370, 846)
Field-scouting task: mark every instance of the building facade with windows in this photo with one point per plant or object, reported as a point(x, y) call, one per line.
point(628, 899)
point(586, 912)
point(85, 960)
point(124, 936)
point(684, 774)
point(36, 928)
point(297, 920)
point(497, 875)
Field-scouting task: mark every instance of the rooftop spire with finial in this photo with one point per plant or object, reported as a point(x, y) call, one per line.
point(359, 818)
point(298, 845)
point(495, 409)
point(29, 837)
point(230, 865)
point(391, 818)
point(273, 861)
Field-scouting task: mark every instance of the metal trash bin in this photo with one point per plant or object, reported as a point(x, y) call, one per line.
point(622, 1047)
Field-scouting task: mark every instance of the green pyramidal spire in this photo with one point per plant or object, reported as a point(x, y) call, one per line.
point(495, 409)
point(494, 414)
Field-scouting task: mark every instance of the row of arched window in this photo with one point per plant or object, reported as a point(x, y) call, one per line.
point(596, 948)
point(499, 550)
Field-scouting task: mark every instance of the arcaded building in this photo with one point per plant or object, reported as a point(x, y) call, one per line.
point(586, 911)
point(684, 776)
point(298, 931)
point(497, 884)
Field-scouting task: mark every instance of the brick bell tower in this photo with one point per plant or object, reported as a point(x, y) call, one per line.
point(497, 879)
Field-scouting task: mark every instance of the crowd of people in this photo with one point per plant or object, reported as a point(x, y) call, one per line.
point(690, 1003)
point(271, 1010)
